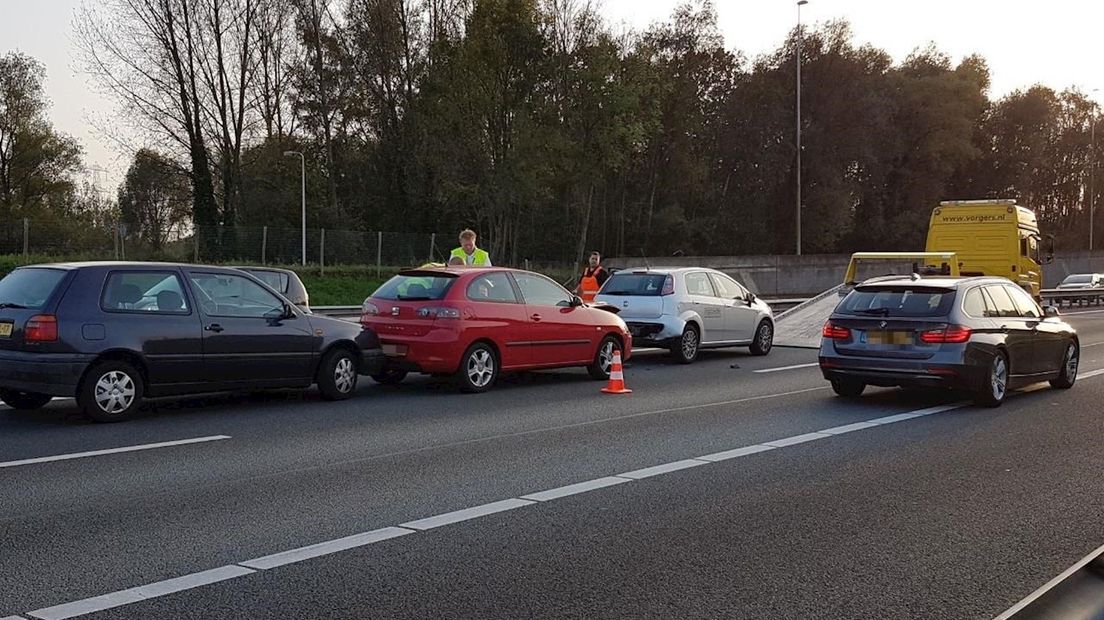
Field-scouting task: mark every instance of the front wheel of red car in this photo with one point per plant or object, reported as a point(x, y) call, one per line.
point(600, 368)
point(478, 369)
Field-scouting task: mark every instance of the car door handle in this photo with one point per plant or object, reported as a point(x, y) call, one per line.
point(214, 327)
point(1004, 329)
point(536, 317)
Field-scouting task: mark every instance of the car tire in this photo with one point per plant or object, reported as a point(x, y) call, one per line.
point(337, 374)
point(848, 388)
point(1068, 375)
point(24, 401)
point(389, 377)
point(764, 338)
point(600, 368)
point(686, 349)
point(994, 385)
point(112, 391)
point(478, 369)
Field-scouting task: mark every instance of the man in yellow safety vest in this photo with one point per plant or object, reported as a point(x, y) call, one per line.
point(471, 255)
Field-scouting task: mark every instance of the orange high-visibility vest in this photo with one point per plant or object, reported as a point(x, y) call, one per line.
point(589, 284)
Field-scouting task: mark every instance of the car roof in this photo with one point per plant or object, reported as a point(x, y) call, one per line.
point(130, 265)
point(664, 270)
point(455, 271)
point(933, 282)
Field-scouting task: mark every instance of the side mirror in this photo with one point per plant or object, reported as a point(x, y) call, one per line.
point(1051, 312)
point(751, 298)
point(576, 301)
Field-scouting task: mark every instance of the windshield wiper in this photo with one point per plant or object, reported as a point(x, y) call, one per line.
point(874, 311)
point(15, 306)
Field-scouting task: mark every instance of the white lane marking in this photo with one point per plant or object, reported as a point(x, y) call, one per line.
point(81, 455)
point(796, 439)
point(575, 489)
point(1034, 596)
point(325, 548)
point(735, 454)
point(466, 514)
point(781, 368)
point(141, 593)
point(665, 468)
point(125, 597)
point(13, 618)
point(1091, 345)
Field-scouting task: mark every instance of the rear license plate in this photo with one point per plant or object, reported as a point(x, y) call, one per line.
point(888, 338)
point(5, 330)
point(394, 350)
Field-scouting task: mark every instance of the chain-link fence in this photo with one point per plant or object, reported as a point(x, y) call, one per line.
point(231, 245)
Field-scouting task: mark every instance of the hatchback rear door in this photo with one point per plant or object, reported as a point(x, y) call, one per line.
point(638, 294)
point(27, 293)
point(887, 321)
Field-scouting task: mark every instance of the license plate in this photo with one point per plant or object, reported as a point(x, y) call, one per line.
point(5, 330)
point(888, 338)
point(394, 350)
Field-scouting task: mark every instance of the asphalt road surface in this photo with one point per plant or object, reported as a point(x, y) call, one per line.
point(714, 490)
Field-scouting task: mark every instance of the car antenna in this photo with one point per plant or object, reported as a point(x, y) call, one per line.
point(647, 266)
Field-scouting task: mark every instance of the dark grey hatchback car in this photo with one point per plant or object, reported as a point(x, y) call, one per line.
point(112, 334)
point(980, 335)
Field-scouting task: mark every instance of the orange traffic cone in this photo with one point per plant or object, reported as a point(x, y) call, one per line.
point(617, 377)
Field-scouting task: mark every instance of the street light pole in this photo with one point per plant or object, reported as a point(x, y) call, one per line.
point(1092, 171)
point(797, 206)
point(303, 189)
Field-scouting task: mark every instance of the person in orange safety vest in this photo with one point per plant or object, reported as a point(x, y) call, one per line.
point(594, 276)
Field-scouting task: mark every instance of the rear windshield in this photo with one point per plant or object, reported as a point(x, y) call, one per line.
point(415, 288)
point(275, 279)
point(1077, 280)
point(29, 288)
point(635, 284)
point(898, 302)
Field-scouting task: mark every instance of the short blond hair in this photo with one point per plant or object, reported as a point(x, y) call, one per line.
point(467, 233)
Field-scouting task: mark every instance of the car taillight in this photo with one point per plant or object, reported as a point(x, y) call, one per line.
point(438, 312)
point(952, 334)
point(835, 332)
point(369, 309)
point(668, 286)
point(41, 328)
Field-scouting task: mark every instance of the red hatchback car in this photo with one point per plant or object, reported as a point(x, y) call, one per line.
point(473, 323)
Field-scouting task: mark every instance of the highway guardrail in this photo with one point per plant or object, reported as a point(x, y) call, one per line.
point(1073, 295)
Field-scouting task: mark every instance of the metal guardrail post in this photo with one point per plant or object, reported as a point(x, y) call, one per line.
point(322, 254)
point(264, 245)
point(432, 246)
point(26, 238)
point(379, 254)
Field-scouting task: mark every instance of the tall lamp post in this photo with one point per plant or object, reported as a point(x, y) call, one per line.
point(303, 188)
point(1092, 169)
point(797, 206)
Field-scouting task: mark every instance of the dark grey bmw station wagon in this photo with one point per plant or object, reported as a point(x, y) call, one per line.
point(112, 334)
point(980, 335)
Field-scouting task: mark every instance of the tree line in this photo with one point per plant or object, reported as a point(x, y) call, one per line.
point(552, 132)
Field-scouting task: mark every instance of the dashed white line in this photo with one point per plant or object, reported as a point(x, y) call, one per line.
point(13, 618)
point(781, 368)
point(575, 489)
point(82, 455)
point(325, 548)
point(1091, 345)
point(162, 588)
point(467, 514)
point(1048, 586)
point(141, 593)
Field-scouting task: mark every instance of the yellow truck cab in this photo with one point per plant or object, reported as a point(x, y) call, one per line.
point(992, 238)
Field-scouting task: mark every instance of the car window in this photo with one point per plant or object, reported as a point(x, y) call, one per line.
point(415, 287)
point(697, 283)
point(540, 291)
point(277, 280)
point(727, 288)
point(635, 284)
point(898, 301)
point(1003, 306)
point(157, 292)
point(29, 287)
point(1025, 305)
point(976, 304)
point(492, 287)
point(236, 296)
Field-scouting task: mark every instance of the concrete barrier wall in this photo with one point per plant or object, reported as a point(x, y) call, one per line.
point(802, 276)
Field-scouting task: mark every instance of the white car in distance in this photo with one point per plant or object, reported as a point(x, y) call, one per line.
point(687, 309)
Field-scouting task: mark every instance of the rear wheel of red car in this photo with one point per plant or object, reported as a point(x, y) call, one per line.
point(389, 377)
point(24, 401)
point(478, 369)
point(848, 388)
point(111, 391)
point(600, 368)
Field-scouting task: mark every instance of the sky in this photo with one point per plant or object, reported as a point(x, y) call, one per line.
point(1026, 42)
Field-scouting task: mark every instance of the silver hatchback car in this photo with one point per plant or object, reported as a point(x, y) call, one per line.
point(686, 309)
